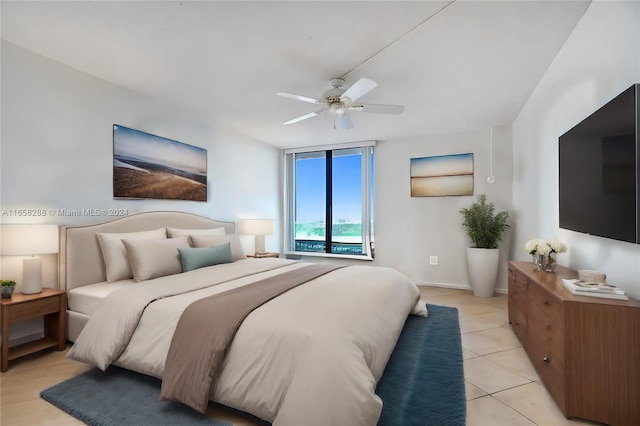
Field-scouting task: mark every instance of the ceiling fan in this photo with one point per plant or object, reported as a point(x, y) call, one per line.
point(339, 101)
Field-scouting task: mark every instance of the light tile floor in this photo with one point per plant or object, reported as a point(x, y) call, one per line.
point(502, 386)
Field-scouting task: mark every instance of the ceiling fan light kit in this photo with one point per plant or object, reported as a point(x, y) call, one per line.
point(339, 101)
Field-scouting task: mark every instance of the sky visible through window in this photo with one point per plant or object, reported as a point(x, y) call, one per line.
point(347, 189)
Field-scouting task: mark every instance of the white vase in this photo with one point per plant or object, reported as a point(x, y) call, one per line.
point(483, 270)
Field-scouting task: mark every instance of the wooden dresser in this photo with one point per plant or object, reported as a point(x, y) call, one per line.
point(585, 349)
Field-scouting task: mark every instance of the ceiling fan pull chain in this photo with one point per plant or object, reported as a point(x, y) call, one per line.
point(491, 178)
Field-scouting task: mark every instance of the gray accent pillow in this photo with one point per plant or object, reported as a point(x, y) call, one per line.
point(194, 258)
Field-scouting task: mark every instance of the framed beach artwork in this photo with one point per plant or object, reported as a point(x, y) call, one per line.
point(442, 175)
point(150, 166)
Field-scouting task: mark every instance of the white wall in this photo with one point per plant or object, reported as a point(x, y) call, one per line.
point(410, 229)
point(600, 59)
point(57, 151)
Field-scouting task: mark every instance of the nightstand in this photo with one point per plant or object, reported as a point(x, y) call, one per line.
point(50, 304)
point(263, 255)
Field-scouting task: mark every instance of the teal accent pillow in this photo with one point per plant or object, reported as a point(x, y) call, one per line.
point(194, 258)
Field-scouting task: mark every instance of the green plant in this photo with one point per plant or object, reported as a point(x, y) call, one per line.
point(7, 283)
point(483, 226)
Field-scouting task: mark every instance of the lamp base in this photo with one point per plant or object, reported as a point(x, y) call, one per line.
point(32, 275)
point(260, 247)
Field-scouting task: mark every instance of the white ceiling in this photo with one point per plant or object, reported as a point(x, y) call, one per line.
point(467, 65)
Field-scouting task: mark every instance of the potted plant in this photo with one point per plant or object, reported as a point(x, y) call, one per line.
point(7, 286)
point(485, 228)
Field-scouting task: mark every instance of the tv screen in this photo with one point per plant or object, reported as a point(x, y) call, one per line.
point(598, 176)
point(150, 166)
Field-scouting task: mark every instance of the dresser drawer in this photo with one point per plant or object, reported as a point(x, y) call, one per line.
point(521, 280)
point(519, 325)
point(518, 296)
point(512, 272)
point(551, 306)
point(545, 330)
point(549, 369)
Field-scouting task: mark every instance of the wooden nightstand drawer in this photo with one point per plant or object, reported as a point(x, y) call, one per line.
point(548, 303)
point(35, 308)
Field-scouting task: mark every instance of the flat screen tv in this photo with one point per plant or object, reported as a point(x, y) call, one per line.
point(150, 166)
point(599, 181)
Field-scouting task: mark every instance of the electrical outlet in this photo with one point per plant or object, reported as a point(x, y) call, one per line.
point(433, 260)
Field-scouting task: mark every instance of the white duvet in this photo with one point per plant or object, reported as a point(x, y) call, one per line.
point(312, 356)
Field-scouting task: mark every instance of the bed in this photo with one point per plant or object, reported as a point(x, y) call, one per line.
point(311, 355)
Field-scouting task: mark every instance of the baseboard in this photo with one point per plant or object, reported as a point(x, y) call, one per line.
point(466, 287)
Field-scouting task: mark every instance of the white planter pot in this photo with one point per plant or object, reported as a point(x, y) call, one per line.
point(483, 270)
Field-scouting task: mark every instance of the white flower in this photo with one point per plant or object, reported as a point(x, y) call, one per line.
point(531, 246)
point(557, 246)
point(544, 247)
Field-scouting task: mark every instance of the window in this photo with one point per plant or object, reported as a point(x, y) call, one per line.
point(329, 195)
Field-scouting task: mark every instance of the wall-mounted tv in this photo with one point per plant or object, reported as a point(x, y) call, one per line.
point(150, 166)
point(599, 181)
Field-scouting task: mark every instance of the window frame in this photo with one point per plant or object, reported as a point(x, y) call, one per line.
point(366, 204)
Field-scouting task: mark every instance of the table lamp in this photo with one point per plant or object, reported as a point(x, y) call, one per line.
point(29, 240)
point(259, 228)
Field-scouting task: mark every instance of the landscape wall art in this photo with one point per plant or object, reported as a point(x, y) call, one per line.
point(442, 175)
point(149, 166)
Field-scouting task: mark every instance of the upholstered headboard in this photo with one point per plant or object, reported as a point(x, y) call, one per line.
point(80, 256)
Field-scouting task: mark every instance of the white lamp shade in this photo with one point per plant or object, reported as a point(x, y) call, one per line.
point(27, 240)
point(258, 226)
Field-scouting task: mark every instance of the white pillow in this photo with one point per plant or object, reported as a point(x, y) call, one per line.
point(155, 258)
point(115, 255)
point(237, 252)
point(178, 232)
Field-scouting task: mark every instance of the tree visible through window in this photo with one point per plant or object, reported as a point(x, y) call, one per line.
point(329, 196)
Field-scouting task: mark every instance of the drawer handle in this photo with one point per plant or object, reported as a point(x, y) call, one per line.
point(545, 302)
point(546, 360)
point(547, 327)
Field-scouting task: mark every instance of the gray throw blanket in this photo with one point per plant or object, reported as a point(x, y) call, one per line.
point(206, 329)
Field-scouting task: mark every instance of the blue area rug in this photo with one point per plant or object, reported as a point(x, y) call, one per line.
point(118, 397)
point(423, 384)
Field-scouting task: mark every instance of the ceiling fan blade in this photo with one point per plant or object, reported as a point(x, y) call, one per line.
point(304, 117)
point(343, 121)
point(379, 108)
point(359, 89)
point(298, 97)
